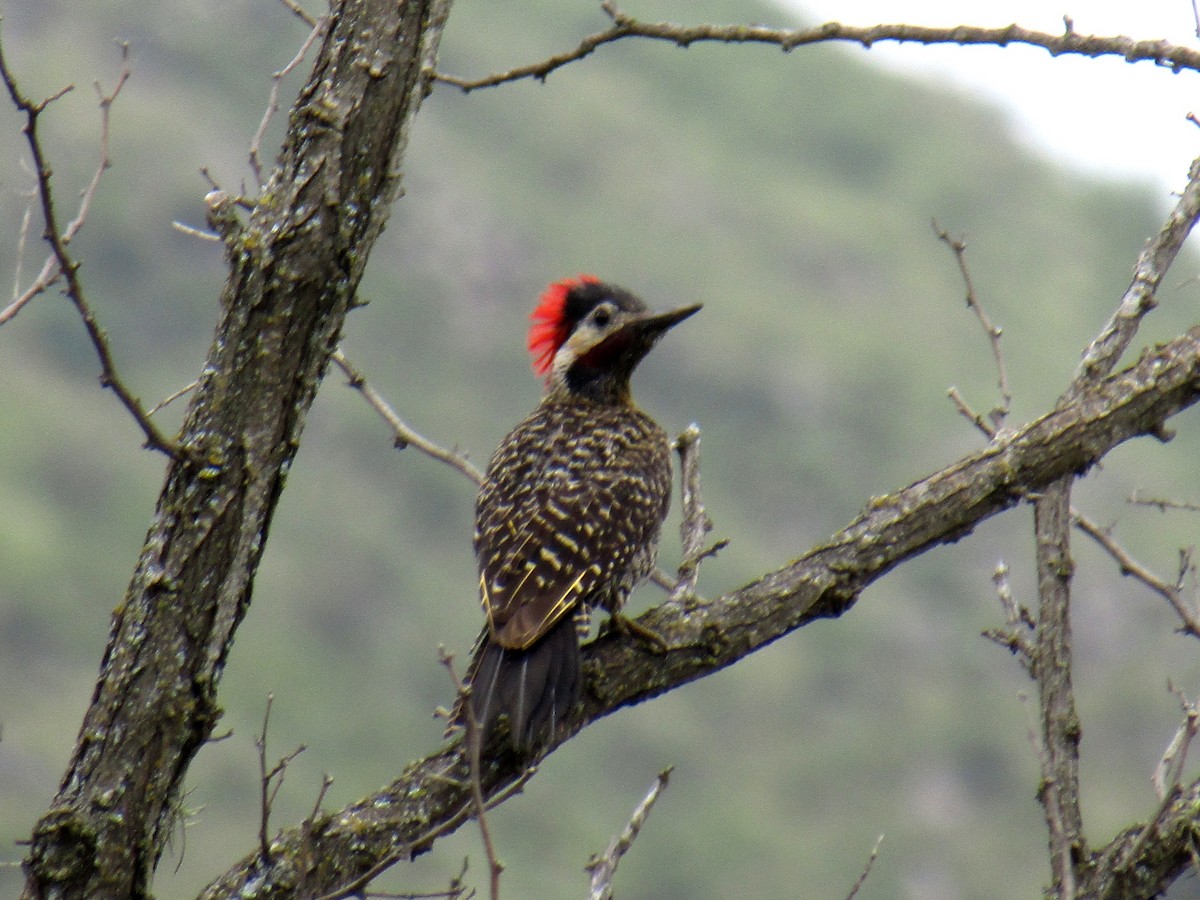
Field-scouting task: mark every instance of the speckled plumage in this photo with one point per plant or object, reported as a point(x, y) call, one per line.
point(569, 514)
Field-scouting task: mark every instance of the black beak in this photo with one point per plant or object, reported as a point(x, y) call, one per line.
point(654, 324)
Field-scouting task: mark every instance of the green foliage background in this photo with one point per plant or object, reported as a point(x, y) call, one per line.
point(792, 194)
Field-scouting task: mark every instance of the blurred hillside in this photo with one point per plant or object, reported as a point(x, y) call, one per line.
point(792, 194)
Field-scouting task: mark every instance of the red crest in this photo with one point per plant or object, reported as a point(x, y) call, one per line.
point(550, 328)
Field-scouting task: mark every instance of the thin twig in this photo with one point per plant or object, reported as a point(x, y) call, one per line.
point(1172, 593)
point(474, 741)
point(58, 239)
point(191, 231)
point(269, 781)
point(1019, 623)
point(307, 861)
point(969, 413)
point(1168, 773)
point(22, 237)
point(456, 891)
point(958, 247)
point(404, 435)
point(695, 524)
point(52, 267)
point(171, 398)
point(862, 878)
point(604, 867)
point(1163, 504)
point(1162, 53)
point(302, 14)
point(318, 30)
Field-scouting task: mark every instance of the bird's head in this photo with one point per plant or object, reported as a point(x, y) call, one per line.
point(587, 336)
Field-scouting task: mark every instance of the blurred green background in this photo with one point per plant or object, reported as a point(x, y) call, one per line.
point(792, 195)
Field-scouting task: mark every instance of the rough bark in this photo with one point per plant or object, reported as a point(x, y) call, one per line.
point(294, 269)
point(433, 796)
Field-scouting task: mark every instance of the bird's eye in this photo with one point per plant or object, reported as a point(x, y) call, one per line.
point(602, 316)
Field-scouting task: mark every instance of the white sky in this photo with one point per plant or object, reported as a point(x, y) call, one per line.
point(1107, 116)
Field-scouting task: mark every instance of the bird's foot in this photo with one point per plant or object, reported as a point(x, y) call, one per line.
point(633, 629)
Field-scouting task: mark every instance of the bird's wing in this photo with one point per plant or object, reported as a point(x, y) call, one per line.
point(555, 528)
point(534, 566)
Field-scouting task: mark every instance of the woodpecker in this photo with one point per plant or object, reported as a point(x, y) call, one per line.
point(568, 516)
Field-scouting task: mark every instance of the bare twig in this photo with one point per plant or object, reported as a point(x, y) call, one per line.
point(1188, 614)
point(695, 525)
point(1019, 623)
point(603, 867)
point(404, 434)
point(1162, 53)
point(300, 12)
point(22, 237)
point(192, 231)
point(969, 413)
point(862, 877)
point(171, 398)
point(474, 740)
point(1169, 772)
point(958, 247)
point(317, 31)
point(307, 851)
point(52, 267)
point(457, 890)
point(269, 781)
point(1162, 503)
point(58, 239)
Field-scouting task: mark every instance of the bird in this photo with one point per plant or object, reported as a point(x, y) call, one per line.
point(568, 515)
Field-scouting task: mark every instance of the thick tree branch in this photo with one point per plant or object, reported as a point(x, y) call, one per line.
point(293, 275)
point(705, 637)
point(1162, 53)
point(1051, 669)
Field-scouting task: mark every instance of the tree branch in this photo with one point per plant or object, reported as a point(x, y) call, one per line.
point(603, 867)
point(404, 435)
point(1051, 669)
point(1175, 57)
point(822, 583)
point(1155, 258)
point(61, 263)
point(291, 282)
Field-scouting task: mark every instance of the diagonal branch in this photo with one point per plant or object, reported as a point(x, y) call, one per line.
point(1172, 593)
point(1155, 258)
point(603, 866)
point(404, 435)
point(291, 283)
point(822, 583)
point(1175, 57)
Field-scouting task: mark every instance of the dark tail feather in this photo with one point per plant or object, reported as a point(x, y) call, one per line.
point(536, 688)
